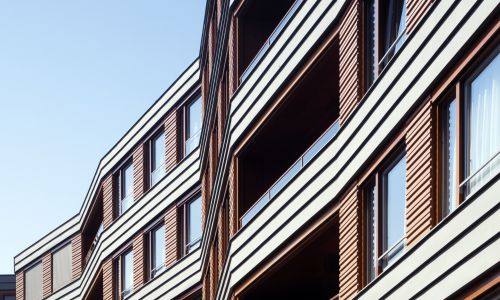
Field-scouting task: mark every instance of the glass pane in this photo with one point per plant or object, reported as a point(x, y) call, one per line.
point(127, 181)
point(128, 274)
point(371, 198)
point(394, 218)
point(194, 214)
point(392, 35)
point(194, 117)
point(158, 248)
point(484, 122)
point(158, 155)
point(33, 283)
point(450, 157)
point(61, 267)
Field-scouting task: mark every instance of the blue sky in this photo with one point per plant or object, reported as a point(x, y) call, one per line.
point(74, 76)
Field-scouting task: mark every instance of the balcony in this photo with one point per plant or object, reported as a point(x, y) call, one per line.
point(259, 25)
point(94, 244)
point(309, 271)
point(272, 38)
point(291, 173)
point(301, 121)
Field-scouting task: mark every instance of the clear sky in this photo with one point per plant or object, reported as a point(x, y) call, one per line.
point(74, 77)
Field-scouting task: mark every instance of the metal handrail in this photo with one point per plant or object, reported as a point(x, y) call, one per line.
point(391, 48)
point(466, 180)
point(267, 196)
point(270, 40)
point(94, 243)
point(397, 244)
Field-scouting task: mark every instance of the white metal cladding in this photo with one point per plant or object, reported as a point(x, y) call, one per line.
point(61, 267)
point(449, 26)
point(188, 80)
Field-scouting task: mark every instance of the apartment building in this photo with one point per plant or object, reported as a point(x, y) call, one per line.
point(316, 150)
point(7, 287)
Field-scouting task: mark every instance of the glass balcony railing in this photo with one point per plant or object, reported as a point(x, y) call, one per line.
point(193, 142)
point(94, 243)
point(272, 38)
point(157, 174)
point(326, 137)
point(481, 176)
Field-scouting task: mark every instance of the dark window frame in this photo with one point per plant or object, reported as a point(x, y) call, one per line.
point(151, 154)
point(182, 122)
point(151, 274)
point(183, 212)
point(118, 179)
point(118, 274)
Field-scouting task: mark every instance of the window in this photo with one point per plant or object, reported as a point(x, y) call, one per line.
point(192, 224)
point(33, 283)
point(385, 200)
point(386, 26)
point(192, 126)
point(157, 154)
point(125, 275)
point(157, 250)
point(61, 267)
point(469, 149)
point(125, 179)
point(9, 297)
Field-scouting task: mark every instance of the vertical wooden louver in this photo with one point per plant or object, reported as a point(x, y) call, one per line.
point(107, 280)
point(350, 244)
point(419, 174)
point(76, 256)
point(139, 168)
point(171, 236)
point(47, 275)
point(138, 246)
point(415, 10)
point(108, 198)
point(171, 140)
point(19, 285)
point(232, 205)
point(350, 60)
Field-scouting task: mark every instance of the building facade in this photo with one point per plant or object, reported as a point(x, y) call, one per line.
point(316, 150)
point(7, 287)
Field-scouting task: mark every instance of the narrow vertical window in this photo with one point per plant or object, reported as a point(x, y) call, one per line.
point(125, 187)
point(192, 126)
point(393, 212)
point(61, 267)
point(33, 283)
point(385, 34)
point(449, 157)
point(157, 246)
point(482, 159)
point(385, 199)
point(157, 158)
point(125, 274)
point(371, 229)
point(193, 224)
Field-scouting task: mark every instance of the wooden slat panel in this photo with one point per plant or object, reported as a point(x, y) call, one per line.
point(76, 256)
point(108, 197)
point(47, 275)
point(20, 286)
point(107, 280)
point(350, 60)
point(139, 169)
point(415, 10)
point(419, 174)
point(139, 256)
point(233, 215)
point(171, 236)
point(350, 244)
point(171, 138)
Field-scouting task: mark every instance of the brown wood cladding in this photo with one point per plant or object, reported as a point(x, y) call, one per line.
point(415, 10)
point(171, 236)
point(76, 256)
point(139, 169)
point(107, 280)
point(420, 215)
point(350, 60)
point(47, 275)
point(171, 139)
point(350, 244)
point(19, 285)
point(139, 256)
point(232, 201)
point(107, 199)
